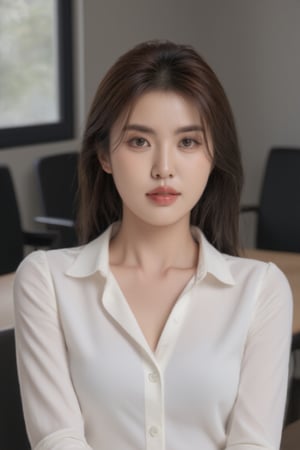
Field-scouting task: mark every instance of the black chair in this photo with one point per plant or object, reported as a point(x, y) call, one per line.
point(278, 228)
point(13, 434)
point(293, 404)
point(278, 212)
point(12, 238)
point(57, 177)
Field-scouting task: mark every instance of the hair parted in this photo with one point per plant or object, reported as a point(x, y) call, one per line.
point(162, 65)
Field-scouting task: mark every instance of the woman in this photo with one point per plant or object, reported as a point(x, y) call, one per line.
point(154, 334)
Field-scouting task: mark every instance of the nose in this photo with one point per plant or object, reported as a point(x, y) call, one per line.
point(163, 164)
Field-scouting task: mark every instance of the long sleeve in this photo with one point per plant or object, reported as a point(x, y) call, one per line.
point(256, 421)
point(51, 409)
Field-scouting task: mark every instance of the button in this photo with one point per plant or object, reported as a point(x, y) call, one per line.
point(153, 377)
point(153, 431)
point(200, 276)
point(176, 320)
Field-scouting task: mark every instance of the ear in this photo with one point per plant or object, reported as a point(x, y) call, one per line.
point(104, 161)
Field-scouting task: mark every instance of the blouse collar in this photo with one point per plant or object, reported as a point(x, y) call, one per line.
point(94, 257)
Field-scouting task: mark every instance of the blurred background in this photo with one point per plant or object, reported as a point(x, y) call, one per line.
point(53, 54)
point(252, 46)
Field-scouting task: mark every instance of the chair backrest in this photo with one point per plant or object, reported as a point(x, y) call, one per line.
point(11, 236)
point(57, 177)
point(278, 226)
point(13, 434)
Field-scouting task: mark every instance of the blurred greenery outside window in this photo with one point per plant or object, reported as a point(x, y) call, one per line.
point(36, 94)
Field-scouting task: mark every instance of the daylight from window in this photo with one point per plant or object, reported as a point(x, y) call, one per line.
point(28, 63)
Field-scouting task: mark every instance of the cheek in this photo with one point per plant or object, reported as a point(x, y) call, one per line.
point(126, 166)
point(201, 169)
point(199, 177)
point(126, 175)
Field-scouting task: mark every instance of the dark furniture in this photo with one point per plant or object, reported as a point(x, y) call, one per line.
point(57, 178)
point(278, 212)
point(278, 228)
point(291, 437)
point(13, 434)
point(12, 237)
point(293, 404)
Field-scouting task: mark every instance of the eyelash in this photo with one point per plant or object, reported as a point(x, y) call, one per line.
point(133, 142)
point(194, 142)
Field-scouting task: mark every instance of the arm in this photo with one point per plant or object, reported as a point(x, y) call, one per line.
point(257, 417)
point(51, 409)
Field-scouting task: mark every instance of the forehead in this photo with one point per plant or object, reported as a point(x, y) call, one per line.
point(152, 103)
point(160, 109)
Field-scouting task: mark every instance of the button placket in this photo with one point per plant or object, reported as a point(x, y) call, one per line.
point(154, 366)
point(154, 407)
point(172, 329)
point(153, 377)
point(153, 431)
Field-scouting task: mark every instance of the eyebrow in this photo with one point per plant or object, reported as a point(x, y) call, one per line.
point(144, 129)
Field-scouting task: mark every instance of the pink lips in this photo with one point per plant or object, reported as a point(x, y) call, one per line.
point(163, 195)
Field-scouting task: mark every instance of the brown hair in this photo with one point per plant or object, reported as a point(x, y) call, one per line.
point(162, 65)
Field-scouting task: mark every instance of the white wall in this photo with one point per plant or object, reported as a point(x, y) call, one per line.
point(252, 45)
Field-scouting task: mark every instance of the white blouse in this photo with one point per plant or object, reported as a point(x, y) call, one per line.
point(89, 380)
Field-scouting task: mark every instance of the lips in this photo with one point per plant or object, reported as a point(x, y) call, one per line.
point(163, 196)
point(163, 191)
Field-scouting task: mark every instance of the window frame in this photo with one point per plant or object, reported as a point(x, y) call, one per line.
point(63, 129)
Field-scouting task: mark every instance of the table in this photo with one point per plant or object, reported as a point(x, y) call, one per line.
point(6, 301)
point(291, 437)
point(289, 263)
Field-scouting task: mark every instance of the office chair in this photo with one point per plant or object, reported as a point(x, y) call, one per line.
point(278, 212)
point(57, 178)
point(278, 228)
point(13, 434)
point(12, 237)
point(293, 403)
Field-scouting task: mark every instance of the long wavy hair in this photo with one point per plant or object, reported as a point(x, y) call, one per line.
point(162, 65)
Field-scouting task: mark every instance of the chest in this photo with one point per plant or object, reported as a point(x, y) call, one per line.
point(152, 299)
point(198, 377)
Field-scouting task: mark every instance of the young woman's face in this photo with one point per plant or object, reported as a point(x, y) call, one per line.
point(159, 159)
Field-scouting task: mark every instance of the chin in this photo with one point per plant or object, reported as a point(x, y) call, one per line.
point(159, 221)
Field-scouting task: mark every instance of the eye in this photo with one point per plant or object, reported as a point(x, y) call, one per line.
point(188, 143)
point(138, 142)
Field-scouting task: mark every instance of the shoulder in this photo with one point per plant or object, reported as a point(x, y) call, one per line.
point(66, 263)
point(42, 261)
point(264, 281)
point(248, 267)
point(34, 277)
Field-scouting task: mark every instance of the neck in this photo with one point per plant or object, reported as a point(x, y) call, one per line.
point(154, 248)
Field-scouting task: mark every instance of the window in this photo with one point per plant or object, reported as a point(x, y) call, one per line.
point(36, 89)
